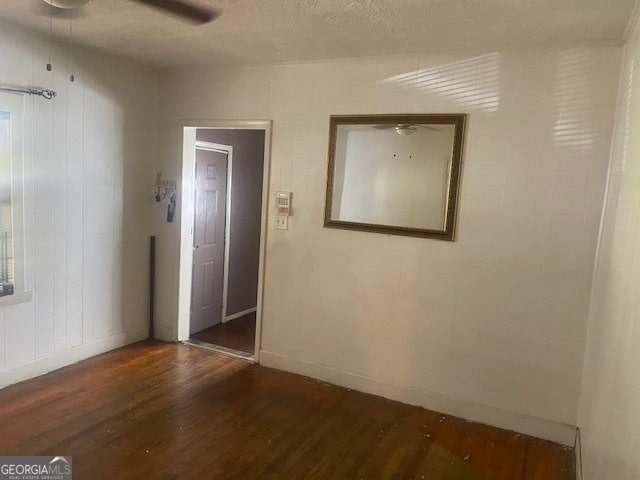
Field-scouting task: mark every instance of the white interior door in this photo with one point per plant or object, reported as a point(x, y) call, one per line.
point(210, 195)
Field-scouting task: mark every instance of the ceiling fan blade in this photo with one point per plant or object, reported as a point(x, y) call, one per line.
point(49, 10)
point(67, 4)
point(406, 126)
point(182, 9)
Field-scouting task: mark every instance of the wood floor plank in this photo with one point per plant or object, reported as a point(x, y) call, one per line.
point(165, 411)
point(238, 334)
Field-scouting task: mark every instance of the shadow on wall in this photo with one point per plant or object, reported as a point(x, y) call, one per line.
point(574, 124)
point(472, 83)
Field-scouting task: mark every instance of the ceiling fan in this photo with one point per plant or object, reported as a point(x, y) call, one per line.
point(178, 8)
point(403, 129)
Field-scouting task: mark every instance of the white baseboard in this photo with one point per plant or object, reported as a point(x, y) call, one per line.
point(72, 355)
point(517, 422)
point(239, 314)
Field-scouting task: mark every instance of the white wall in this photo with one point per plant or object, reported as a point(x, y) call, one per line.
point(610, 405)
point(491, 326)
point(89, 162)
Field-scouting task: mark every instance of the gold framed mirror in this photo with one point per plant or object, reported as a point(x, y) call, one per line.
point(395, 174)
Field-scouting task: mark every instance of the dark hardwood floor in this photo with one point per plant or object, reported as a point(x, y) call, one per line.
point(238, 334)
point(168, 411)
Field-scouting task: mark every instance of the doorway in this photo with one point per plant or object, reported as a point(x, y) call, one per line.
point(223, 230)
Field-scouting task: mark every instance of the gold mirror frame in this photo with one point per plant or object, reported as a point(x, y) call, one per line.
point(458, 121)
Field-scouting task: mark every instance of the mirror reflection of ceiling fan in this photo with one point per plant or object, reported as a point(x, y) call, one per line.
point(403, 129)
point(177, 8)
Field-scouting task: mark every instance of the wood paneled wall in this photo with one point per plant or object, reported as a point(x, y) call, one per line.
point(88, 192)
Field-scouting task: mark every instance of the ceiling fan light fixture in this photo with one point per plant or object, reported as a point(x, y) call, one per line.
point(67, 4)
point(405, 130)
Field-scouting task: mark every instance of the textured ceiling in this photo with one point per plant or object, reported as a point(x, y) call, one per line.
point(273, 31)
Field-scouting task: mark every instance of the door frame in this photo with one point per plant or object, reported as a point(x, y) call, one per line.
point(228, 149)
point(185, 257)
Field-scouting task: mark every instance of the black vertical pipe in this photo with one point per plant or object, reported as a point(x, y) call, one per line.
point(152, 282)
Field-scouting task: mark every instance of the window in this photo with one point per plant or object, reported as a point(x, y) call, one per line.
point(12, 254)
point(7, 268)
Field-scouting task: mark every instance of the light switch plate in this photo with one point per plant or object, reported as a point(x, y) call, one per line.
point(282, 222)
